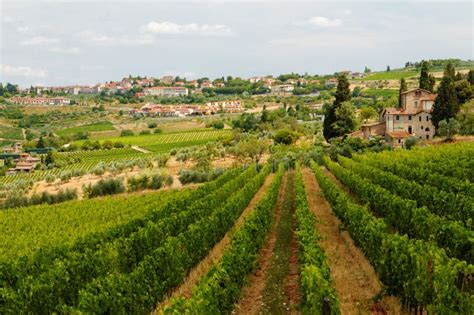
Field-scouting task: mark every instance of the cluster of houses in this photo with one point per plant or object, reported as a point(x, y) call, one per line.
point(167, 86)
point(183, 110)
point(412, 119)
point(40, 100)
point(24, 162)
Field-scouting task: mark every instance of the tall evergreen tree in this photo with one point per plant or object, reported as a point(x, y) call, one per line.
point(264, 117)
point(425, 76)
point(432, 81)
point(446, 104)
point(470, 77)
point(403, 88)
point(450, 71)
point(343, 94)
point(2, 91)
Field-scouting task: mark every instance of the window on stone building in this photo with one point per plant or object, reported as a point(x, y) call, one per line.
point(419, 118)
point(398, 117)
point(409, 117)
point(427, 118)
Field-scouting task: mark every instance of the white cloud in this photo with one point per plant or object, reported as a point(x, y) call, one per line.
point(106, 40)
point(192, 28)
point(39, 40)
point(60, 50)
point(22, 71)
point(23, 29)
point(322, 21)
point(7, 19)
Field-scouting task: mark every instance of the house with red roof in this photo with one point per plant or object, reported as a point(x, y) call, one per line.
point(412, 119)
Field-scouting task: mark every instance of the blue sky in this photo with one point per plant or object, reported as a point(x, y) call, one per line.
point(85, 42)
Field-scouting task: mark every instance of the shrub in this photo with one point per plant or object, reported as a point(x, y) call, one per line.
point(198, 176)
point(152, 124)
point(126, 133)
point(285, 137)
point(149, 181)
point(109, 186)
point(145, 132)
point(157, 131)
point(410, 142)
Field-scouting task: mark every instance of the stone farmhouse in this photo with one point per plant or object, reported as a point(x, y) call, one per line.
point(412, 119)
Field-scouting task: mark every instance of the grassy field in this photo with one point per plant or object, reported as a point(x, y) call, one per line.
point(13, 133)
point(380, 93)
point(99, 126)
point(391, 75)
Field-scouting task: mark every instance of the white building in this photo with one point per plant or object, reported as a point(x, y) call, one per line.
point(167, 91)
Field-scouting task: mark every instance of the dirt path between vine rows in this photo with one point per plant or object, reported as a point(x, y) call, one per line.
point(185, 289)
point(251, 300)
point(354, 277)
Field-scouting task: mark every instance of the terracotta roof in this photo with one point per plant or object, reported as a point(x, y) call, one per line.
point(430, 97)
point(373, 124)
point(423, 90)
point(394, 111)
point(398, 134)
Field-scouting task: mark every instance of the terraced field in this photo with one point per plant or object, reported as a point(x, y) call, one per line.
point(155, 144)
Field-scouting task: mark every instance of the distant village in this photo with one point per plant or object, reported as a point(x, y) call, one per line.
point(167, 86)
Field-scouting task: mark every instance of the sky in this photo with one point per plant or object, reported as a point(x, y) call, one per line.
point(86, 42)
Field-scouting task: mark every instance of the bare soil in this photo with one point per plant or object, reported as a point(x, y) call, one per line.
point(354, 278)
point(185, 290)
point(293, 279)
point(251, 300)
point(172, 167)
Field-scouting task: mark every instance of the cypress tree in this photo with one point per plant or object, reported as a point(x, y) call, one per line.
point(450, 71)
point(403, 88)
point(470, 77)
point(343, 94)
point(446, 105)
point(425, 76)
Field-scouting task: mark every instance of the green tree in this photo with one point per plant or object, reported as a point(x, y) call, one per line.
point(367, 112)
point(427, 81)
point(41, 143)
point(285, 136)
point(466, 118)
point(470, 77)
point(346, 120)
point(2, 90)
point(10, 88)
point(49, 158)
point(450, 71)
point(343, 94)
point(464, 91)
point(403, 88)
point(448, 128)
point(424, 76)
point(388, 68)
point(264, 116)
point(446, 104)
